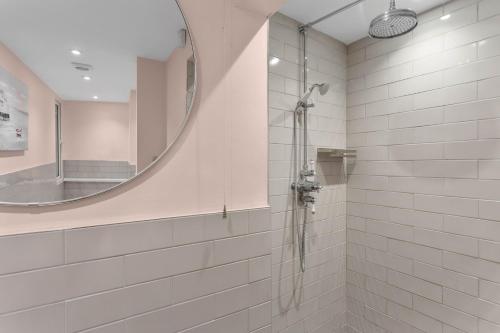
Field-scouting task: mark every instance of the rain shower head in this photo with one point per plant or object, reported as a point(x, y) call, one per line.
point(393, 23)
point(323, 89)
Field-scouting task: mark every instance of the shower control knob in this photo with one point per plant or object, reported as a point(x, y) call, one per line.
point(313, 186)
point(306, 187)
point(307, 173)
point(308, 199)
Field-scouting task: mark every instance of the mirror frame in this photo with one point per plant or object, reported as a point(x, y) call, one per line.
point(152, 164)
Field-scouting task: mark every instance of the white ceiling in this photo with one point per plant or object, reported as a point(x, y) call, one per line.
point(351, 25)
point(110, 34)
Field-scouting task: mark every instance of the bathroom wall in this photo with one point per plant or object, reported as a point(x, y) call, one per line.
point(95, 131)
point(161, 102)
point(226, 137)
point(132, 104)
point(31, 185)
point(313, 301)
point(196, 274)
point(424, 198)
point(41, 109)
point(200, 274)
point(151, 114)
point(176, 90)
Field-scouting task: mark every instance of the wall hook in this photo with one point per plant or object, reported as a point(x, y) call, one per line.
point(224, 212)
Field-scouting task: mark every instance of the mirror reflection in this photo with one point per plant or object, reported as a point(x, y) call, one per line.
point(91, 93)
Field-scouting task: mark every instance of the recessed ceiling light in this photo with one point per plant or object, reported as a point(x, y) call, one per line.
point(76, 52)
point(95, 97)
point(445, 17)
point(274, 61)
point(86, 78)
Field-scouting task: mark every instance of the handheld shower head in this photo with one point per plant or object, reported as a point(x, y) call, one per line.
point(323, 89)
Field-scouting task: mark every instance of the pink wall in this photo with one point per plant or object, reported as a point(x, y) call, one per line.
point(132, 105)
point(95, 131)
point(176, 84)
point(41, 108)
point(152, 119)
point(161, 103)
point(222, 154)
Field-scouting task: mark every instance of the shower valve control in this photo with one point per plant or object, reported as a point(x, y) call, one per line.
point(309, 199)
point(306, 187)
point(308, 173)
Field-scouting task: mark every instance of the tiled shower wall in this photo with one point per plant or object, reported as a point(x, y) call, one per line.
point(199, 274)
point(98, 169)
point(75, 171)
point(424, 194)
point(313, 302)
point(37, 184)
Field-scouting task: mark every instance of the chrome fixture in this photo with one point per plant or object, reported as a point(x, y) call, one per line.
point(337, 153)
point(323, 89)
point(335, 12)
point(304, 185)
point(393, 23)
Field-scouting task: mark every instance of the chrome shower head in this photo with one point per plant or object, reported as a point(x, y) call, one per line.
point(393, 23)
point(323, 89)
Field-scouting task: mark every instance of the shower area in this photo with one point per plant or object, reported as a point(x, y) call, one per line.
point(384, 172)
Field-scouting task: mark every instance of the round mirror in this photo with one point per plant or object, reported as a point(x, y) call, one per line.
point(92, 93)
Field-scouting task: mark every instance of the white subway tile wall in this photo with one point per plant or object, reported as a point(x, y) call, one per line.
point(423, 233)
point(312, 302)
point(199, 274)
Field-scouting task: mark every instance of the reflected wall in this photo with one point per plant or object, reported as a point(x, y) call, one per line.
point(193, 162)
point(114, 98)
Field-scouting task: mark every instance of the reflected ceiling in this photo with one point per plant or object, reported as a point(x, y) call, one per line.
point(32, 30)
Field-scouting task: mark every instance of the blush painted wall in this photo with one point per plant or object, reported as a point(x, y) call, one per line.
point(176, 88)
point(221, 157)
point(161, 103)
point(152, 118)
point(97, 131)
point(41, 108)
point(132, 104)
